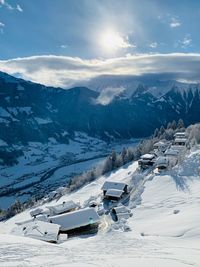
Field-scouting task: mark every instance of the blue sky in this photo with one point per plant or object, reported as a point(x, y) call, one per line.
point(60, 33)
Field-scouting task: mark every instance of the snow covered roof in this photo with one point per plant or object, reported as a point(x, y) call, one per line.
point(113, 185)
point(161, 161)
point(180, 140)
point(124, 215)
point(42, 217)
point(39, 230)
point(147, 156)
point(121, 209)
point(114, 193)
point(171, 152)
point(36, 212)
point(160, 143)
point(25, 221)
point(64, 207)
point(76, 219)
point(180, 134)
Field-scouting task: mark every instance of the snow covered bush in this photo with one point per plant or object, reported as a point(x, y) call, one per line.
point(194, 133)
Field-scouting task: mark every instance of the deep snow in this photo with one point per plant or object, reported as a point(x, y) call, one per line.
point(165, 227)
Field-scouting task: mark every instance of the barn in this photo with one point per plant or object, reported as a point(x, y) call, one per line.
point(180, 135)
point(180, 141)
point(114, 194)
point(161, 146)
point(76, 222)
point(146, 160)
point(121, 212)
point(114, 186)
point(162, 163)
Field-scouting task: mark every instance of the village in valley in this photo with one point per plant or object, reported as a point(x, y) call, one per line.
point(112, 202)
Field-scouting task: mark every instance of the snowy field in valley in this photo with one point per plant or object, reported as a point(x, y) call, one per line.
point(45, 167)
point(165, 226)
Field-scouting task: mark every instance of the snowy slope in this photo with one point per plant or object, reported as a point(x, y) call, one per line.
point(165, 229)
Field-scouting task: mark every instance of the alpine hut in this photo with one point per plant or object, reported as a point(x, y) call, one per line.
point(108, 185)
point(121, 212)
point(180, 135)
point(146, 160)
point(161, 146)
point(83, 220)
point(39, 230)
point(162, 163)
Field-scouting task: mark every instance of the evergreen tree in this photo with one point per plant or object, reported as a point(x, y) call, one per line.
point(180, 124)
point(123, 156)
point(173, 125)
point(113, 159)
point(129, 155)
point(107, 167)
point(161, 132)
point(156, 132)
point(169, 125)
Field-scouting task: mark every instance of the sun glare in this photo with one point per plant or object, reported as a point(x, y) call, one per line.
point(111, 40)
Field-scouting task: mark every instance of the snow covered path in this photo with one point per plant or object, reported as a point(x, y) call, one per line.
point(165, 227)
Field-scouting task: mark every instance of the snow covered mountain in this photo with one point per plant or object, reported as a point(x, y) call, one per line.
point(43, 129)
point(157, 84)
point(36, 113)
point(163, 231)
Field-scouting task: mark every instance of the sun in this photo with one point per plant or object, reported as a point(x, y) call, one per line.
point(111, 40)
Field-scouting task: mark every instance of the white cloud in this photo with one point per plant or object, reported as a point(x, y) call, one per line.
point(63, 46)
point(124, 43)
point(19, 8)
point(67, 71)
point(2, 25)
point(108, 94)
point(186, 42)
point(153, 45)
point(113, 40)
point(174, 23)
point(9, 6)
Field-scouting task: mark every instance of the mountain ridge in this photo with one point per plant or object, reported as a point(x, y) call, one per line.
point(36, 112)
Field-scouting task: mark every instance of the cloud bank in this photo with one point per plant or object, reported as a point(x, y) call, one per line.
point(108, 94)
point(66, 71)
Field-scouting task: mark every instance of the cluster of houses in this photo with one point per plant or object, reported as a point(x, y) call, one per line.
point(58, 222)
point(165, 154)
point(115, 193)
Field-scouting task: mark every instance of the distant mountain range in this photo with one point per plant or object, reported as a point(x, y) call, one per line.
point(118, 107)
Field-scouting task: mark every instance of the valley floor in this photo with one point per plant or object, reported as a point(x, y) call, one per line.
point(45, 167)
point(165, 226)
